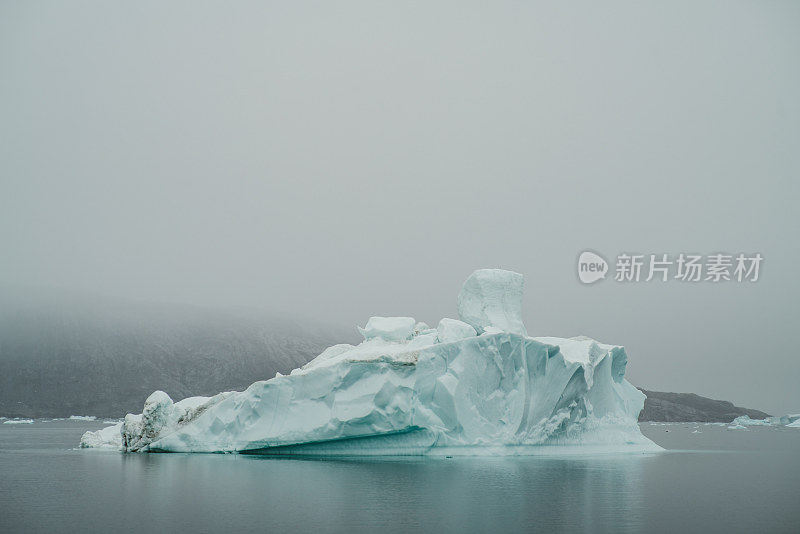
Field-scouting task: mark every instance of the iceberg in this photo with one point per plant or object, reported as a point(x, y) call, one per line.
point(784, 420)
point(477, 385)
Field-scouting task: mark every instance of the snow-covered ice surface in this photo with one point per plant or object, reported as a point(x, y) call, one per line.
point(478, 385)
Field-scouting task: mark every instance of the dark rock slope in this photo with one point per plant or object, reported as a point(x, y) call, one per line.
point(66, 354)
point(76, 355)
point(686, 407)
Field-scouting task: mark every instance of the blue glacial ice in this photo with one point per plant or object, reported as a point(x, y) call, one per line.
point(478, 385)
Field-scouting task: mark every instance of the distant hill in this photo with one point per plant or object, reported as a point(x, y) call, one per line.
point(67, 354)
point(688, 407)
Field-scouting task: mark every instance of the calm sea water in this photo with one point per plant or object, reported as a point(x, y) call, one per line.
point(711, 480)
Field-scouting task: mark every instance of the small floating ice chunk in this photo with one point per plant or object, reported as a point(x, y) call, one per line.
point(82, 418)
point(18, 422)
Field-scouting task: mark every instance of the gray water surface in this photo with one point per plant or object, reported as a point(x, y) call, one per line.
point(710, 480)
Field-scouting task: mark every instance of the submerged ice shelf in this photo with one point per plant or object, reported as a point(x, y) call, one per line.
point(478, 385)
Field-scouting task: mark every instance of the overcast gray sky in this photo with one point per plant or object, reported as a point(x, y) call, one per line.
point(348, 159)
